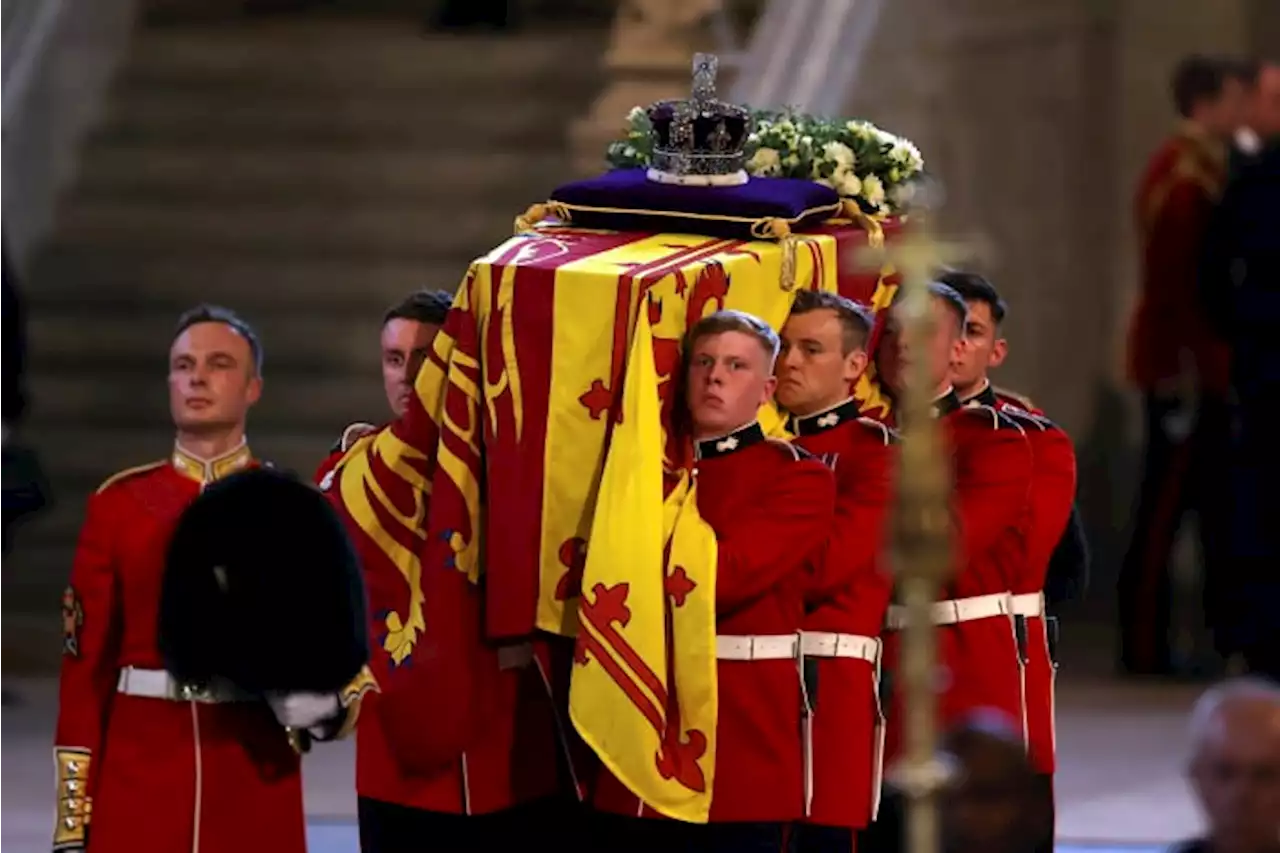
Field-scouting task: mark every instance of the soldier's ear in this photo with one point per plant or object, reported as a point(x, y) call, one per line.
point(254, 390)
point(998, 353)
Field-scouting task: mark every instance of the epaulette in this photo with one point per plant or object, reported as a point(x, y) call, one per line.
point(1020, 399)
point(998, 419)
point(349, 435)
point(129, 472)
point(797, 452)
point(1023, 416)
point(890, 436)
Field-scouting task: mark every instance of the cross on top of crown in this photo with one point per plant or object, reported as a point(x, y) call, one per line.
point(705, 66)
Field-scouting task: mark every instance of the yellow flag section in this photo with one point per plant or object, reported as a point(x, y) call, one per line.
point(619, 699)
point(678, 279)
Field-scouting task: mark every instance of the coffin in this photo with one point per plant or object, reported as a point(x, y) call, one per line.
point(524, 383)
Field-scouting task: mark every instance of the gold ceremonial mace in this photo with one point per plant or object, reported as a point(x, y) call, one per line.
point(921, 527)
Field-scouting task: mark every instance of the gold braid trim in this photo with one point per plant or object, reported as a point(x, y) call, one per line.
point(538, 212)
point(74, 806)
point(351, 697)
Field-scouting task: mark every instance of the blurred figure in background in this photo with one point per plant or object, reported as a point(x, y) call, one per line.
point(1260, 125)
point(25, 489)
point(991, 805)
point(1235, 767)
point(1176, 360)
point(1240, 295)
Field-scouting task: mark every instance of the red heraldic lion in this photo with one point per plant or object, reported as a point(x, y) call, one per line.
point(1052, 496)
point(846, 607)
point(505, 734)
point(771, 511)
point(992, 470)
point(145, 763)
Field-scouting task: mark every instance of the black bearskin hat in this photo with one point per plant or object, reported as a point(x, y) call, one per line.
point(262, 588)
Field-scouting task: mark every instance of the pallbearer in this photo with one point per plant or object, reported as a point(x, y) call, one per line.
point(823, 354)
point(147, 763)
point(499, 787)
point(770, 506)
point(992, 471)
point(1052, 498)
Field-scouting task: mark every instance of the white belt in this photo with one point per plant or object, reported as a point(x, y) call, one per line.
point(158, 684)
point(1028, 604)
point(822, 644)
point(515, 657)
point(758, 647)
point(953, 611)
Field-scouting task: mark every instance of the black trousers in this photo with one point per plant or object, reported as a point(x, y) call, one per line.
point(1185, 456)
point(391, 828)
point(806, 838)
point(618, 834)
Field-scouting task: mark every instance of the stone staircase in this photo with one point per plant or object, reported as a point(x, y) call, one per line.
point(305, 171)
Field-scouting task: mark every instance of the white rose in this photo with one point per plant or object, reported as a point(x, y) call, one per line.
point(849, 184)
point(873, 190)
point(840, 153)
point(764, 162)
point(791, 160)
point(635, 115)
point(629, 151)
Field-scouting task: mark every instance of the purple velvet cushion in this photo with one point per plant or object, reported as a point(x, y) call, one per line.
point(626, 200)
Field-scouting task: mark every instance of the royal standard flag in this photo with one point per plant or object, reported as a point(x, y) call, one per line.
point(620, 701)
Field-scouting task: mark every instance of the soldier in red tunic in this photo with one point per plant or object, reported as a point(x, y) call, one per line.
point(992, 469)
point(408, 328)
point(1052, 496)
point(823, 353)
point(771, 507)
point(499, 790)
point(144, 764)
point(1177, 361)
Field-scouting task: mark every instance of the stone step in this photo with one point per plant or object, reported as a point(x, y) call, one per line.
point(284, 229)
point(155, 118)
point(245, 173)
point(327, 56)
point(68, 282)
point(305, 403)
point(136, 338)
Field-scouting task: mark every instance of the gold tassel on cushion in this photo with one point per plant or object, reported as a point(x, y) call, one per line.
point(849, 209)
point(538, 212)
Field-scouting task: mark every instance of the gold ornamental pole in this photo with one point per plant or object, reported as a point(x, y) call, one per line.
point(921, 531)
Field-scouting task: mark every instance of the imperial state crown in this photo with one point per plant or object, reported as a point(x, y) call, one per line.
point(702, 140)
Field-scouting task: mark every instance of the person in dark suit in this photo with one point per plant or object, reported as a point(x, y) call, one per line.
point(1240, 292)
point(1260, 83)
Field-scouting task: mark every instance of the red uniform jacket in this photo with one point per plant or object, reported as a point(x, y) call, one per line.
point(509, 753)
point(992, 471)
point(151, 774)
point(771, 512)
point(1052, 495)
point(1175, 198)
point(849, 594)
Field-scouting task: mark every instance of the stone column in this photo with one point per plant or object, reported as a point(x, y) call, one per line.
point(648, 59)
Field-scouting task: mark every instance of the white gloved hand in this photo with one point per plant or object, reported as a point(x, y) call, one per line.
point(304, 710)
